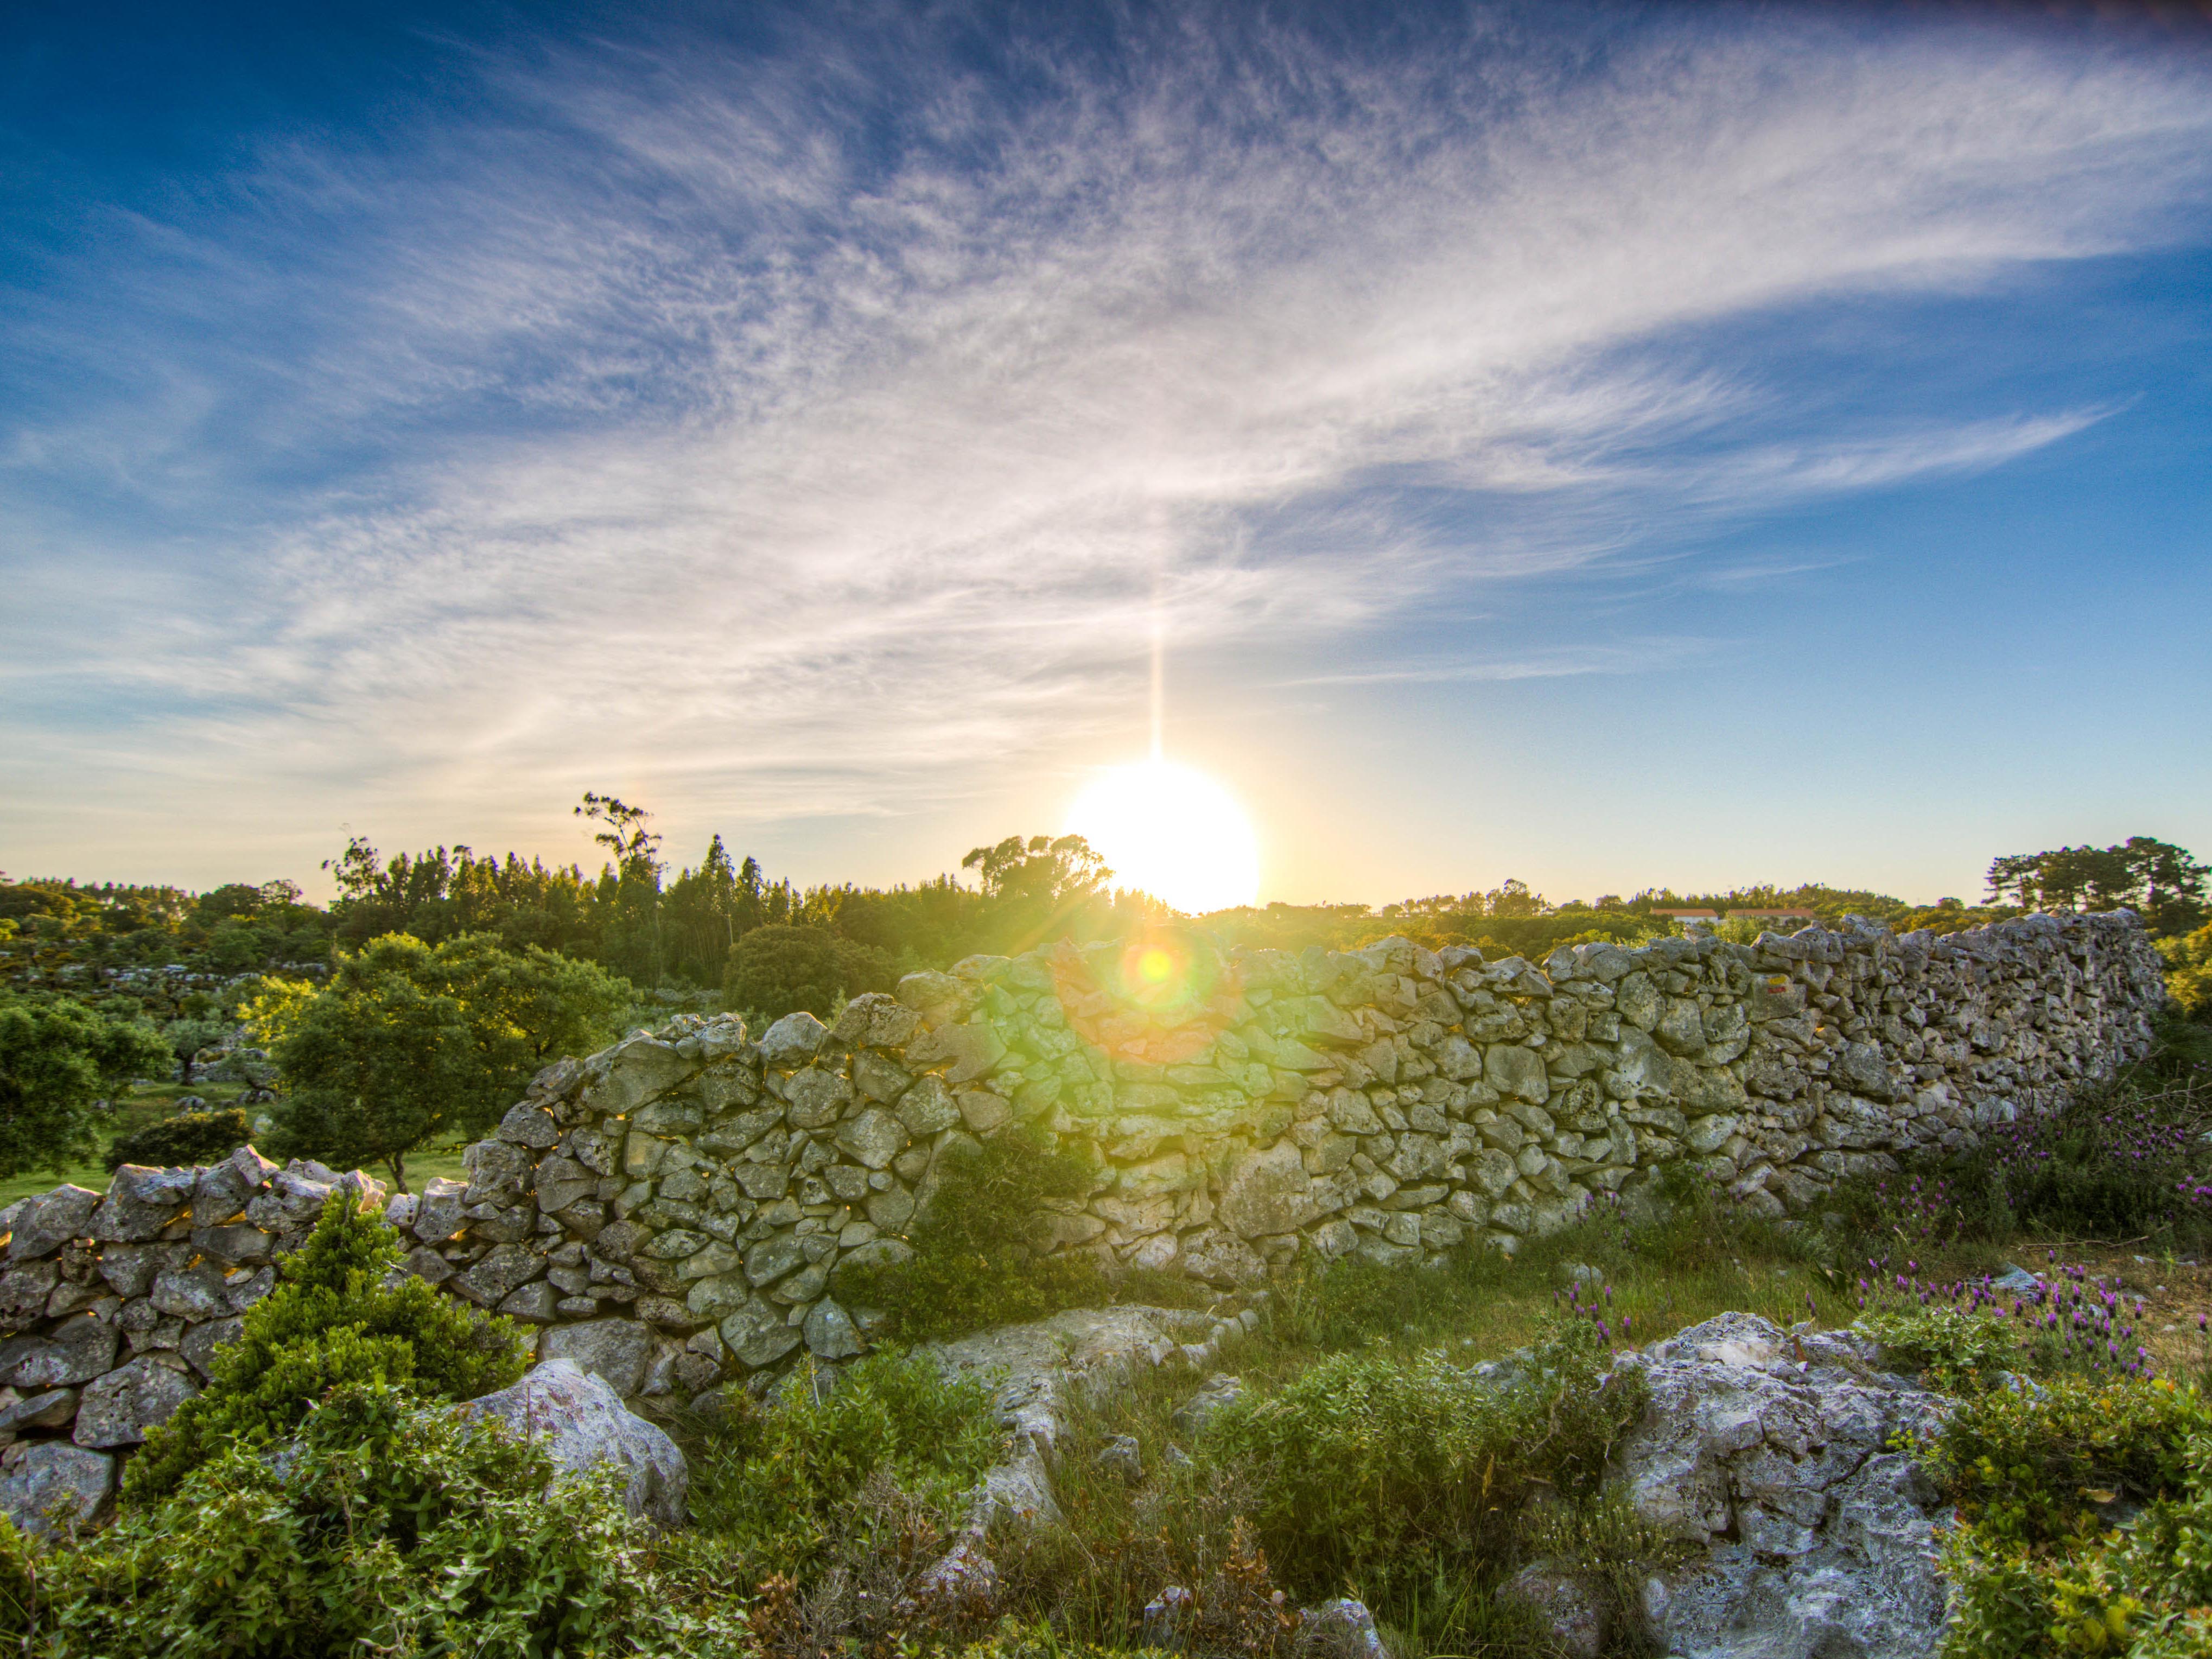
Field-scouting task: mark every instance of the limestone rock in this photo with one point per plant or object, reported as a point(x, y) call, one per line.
point(50, 1410)
point(1195, 1413)
point(1222, 1258)
point(793, 1041)
point(1512, 1070)
point(759, 1333)
point(1039, 1370)
point(829, 1332)
point(636, 1069)
point(1817, 1537)
point(1570, 1610)
point(118, 1408)
point(1267, 1192)
point(141, 1201)
point(1123, 1457)
point(74, 1351)
point(50, 1484)
point(615, 1350)
point(224, 1189)
point(200, 1341)
point(43, 1224)
point(582, 1425)
point(1342, 1629)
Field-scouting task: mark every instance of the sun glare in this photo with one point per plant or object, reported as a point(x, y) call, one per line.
point(1173, 832)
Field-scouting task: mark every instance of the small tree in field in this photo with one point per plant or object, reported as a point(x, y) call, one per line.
point(57, 1060)
point(410, 1044)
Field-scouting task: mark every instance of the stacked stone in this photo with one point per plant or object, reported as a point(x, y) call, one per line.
point(670, 1212)
point(113, 1307)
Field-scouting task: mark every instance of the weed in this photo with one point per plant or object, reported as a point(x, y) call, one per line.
point(1367, 1466)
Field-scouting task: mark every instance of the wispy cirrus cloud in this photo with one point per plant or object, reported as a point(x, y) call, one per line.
point(826, 429)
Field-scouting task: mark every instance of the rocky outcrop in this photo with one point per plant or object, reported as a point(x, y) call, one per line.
point(1772, 1451)
point(582, 1426)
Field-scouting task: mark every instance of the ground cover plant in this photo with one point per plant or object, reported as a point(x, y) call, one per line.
point(842, 1468)
point(383, 1526)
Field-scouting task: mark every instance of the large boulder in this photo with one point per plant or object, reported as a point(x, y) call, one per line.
point(1770, 1449)
point(581, 1423)
point(51, 1483)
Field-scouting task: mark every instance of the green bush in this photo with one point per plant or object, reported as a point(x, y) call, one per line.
point(339, 1315)
point(978, 1247)
point(2034, 1570)
point(381, 1528)
point(2023, 1466)
point(1958, 1349)
point(784, 1485)
point(1369, 1468)
point(187, 1137)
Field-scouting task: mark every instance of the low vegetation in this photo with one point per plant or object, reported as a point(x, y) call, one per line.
point(979, 1248)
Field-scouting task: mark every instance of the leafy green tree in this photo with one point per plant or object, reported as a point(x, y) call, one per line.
point(2189, 971)
point(411, 1042)
point(780, 970)
point(2161, 881)
point(57, 1060)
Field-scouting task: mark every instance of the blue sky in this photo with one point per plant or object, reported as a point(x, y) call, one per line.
point(1603, 446)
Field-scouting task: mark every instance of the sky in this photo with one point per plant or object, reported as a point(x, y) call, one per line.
point(1604, 446)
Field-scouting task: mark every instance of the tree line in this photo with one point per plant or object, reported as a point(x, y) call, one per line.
point(412, 1010)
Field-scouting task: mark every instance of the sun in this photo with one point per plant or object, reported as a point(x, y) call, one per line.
point(1173, 832)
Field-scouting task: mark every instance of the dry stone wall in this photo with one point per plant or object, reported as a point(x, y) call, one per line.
point(668, 1213)
point(112, 1307)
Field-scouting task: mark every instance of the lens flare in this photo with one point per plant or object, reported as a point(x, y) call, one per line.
point(1173, 832)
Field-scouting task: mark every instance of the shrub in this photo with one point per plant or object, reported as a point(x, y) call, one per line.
point(785, 1484)
point(2025, 1466)
point(2124, 1162)
point(1370, 1468)
point(381, 1527)
point(979, 1246)
point(187, 1137)
point(339, 1315)
point(2033, 1570)
point(1958, 1349)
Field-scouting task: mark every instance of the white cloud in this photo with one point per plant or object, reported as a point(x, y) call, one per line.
point(721, 434)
